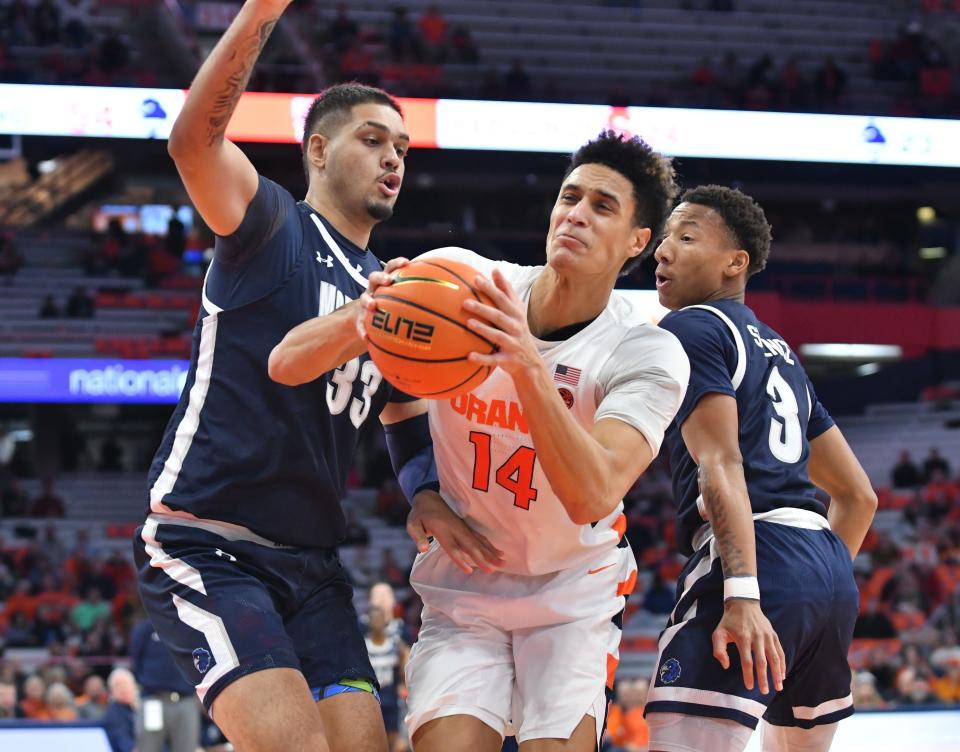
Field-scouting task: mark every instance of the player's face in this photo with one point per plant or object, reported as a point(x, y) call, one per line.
point(592, 228)
point(364, 160)
point(692, 257)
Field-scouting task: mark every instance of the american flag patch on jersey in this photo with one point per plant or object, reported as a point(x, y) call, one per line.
point(567, 374)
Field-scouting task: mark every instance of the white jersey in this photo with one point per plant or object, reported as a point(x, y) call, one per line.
point(619, 366)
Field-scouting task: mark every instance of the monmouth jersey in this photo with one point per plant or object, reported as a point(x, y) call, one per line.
point(732, 352)
point(241, 448)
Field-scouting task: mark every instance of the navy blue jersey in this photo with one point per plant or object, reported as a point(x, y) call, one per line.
point(241, 448)
point(732, 352)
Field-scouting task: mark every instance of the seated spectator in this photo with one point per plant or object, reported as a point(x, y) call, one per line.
point(905, 473)
point(32, 705)
point(947, 685)
point(60, 703)
point(659, 596)
point(9, 709)
point(49, 309)
point(92, 704)
point(874, 623)
point(75, 16)
point(14, 501)
point(433, 31)
point(703, 75)
point(626, 727)
point(517, 84)
point(402, 37)
point(113, 54)
point(933, 463)
point(80, 305)
point(47, 504)
point(118, 718)
point(342, 30)
point(829, 83)
point(46, 23)
point(464, 48)
point(390, 570)
point(10, 258)
point(111, 456)
point(21, 601)
point(90, 610)
point(19, 632)
point(865, 694)
point(355, 533)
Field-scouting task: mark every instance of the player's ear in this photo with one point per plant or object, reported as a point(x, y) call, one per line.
point(738, 264)
point(317, 150)
point(639, 240)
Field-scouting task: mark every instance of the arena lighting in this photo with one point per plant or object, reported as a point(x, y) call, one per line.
point(926, 215)
point(148, 113)
point(933, 252)
point(850, 352)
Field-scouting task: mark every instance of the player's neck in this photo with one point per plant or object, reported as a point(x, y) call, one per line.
point(736, 294)
point(355, 229)
point(557, 302)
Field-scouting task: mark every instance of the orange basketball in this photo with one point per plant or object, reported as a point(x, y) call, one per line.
point(418, 334)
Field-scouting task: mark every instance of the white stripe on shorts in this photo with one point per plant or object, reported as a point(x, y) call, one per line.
point(706, 697)
point(176, 569)
point(211, 625)
point(802, 713)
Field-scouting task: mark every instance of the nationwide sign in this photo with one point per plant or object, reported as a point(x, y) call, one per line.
point(112, 112)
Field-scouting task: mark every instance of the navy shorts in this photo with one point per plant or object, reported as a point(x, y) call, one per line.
point(228, 603)
point(808, 593)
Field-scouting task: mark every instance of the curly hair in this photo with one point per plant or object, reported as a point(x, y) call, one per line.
point(650, 173)
point(331, 109)
point(743, 217)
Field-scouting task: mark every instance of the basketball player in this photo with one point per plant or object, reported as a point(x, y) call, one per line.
point(536, 460)
point(750, 437)
point(237, 564)
point(388, 656)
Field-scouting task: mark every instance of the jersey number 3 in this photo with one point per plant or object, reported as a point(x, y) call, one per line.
point(786, 435)
point(340, 389)
point(515, 475)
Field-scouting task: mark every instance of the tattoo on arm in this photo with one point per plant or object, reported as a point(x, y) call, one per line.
point(242, 59)
point(732, 558)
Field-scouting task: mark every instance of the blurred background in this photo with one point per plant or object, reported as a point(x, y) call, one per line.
point(102, 259)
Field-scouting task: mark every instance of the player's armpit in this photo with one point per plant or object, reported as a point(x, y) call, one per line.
point(394, 412)
point(834, 468)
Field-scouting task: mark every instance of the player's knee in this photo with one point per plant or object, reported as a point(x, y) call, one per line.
point(676, 732)
point(794, 739)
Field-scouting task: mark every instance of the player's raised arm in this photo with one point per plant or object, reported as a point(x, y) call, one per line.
point(834, 467)
point(711, 433)
point(218, 176)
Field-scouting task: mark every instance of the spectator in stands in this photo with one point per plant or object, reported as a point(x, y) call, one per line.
point(19, 633)
point(10, 258)
point(905, 473)
point(118, 718)
point(47, 504)
point(32, 705)
point(60, 703)
point(17, 23)
point(946, 685)
point(355, 533)
point(829, 84)
point(92, 704)
point(161, 682)
point(21, 601)
point(402, 37)
point(75, 16)
point(90, 610)
point(659, 598)
point(874, 623)
point(80, 305)
point(176, 240)
point(464, 48)
point(865, 694)
point(9, 709)
point(626, 727)
point(363, 572)
point(516, 83)
point(14, 501)
point(433, 31)
point(46, 23)
point(390, 570)
point(49, 309)
point(113, 54)
point(111, 456)
point(934, 463)
point(342, 30)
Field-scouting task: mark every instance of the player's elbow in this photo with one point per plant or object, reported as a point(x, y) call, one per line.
point(587, 510)
point(280, 367)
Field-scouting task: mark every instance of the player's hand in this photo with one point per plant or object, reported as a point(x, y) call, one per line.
point(745, 625)
point(375, 281)
point(431, 517)
point(505, 325)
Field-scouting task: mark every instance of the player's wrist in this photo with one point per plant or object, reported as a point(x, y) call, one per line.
point(741, 588)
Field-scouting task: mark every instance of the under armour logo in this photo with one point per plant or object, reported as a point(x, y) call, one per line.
point(328, 260)
point(225, 555)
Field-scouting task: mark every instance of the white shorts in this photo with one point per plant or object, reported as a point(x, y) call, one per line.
point(528, 655)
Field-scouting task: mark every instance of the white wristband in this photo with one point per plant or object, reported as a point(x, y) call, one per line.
point(741, 587)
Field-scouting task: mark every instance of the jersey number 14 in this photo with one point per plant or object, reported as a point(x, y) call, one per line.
point(515, 475)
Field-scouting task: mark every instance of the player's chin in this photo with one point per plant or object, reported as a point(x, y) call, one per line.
point(380, 210)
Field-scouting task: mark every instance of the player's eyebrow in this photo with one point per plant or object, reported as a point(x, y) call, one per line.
point(606, 194)
point(401, 136)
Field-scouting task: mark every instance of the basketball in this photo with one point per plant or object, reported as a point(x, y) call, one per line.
point(418, 334)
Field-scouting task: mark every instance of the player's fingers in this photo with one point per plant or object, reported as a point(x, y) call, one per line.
point(394, 264)
point(759, 650)
point(501, 319)
point(500, 280)
point(418, 533)
point(485, 559)
point(497, 295)
point(746, 662)
point(782, 661)
point(773, 659)
point(720, 641)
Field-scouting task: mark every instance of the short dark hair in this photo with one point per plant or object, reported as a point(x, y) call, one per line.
point(743, 217)
point(650, 173)
point(331, 109)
